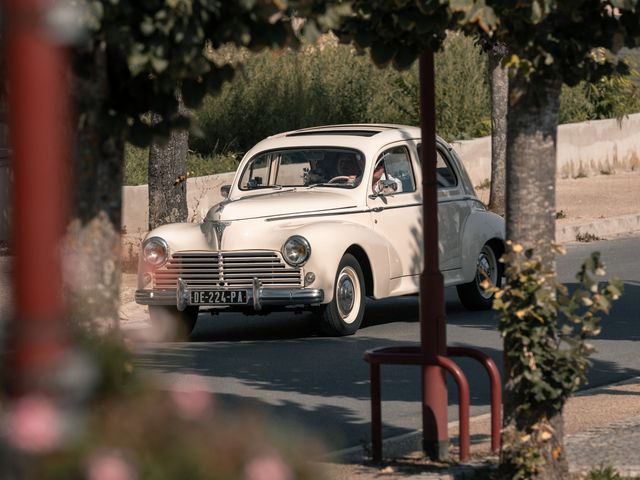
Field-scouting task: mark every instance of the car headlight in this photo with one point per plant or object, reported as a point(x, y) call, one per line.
point(296, 250)
point(155, 251)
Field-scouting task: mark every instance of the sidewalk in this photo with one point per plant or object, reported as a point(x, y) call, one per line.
point(603, 206)
point(602, 429)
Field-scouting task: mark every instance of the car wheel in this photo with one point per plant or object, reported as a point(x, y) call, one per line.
point(171, 324)
point(471, 294)
point(343, 315)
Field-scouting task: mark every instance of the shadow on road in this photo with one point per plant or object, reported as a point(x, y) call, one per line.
point(278, 364)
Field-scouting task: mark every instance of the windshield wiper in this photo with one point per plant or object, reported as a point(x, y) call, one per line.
point(262, 187)
point(340, 185)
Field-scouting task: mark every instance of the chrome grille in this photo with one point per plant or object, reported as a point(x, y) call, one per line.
point(227, 269)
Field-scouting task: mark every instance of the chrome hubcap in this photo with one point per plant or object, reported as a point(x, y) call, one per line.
point(347, 294)
point(487, 270)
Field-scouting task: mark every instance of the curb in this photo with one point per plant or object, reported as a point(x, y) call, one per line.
point(603, 228)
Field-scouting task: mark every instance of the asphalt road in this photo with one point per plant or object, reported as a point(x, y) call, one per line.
point(275, 364)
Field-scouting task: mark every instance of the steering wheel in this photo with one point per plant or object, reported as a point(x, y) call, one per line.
point(340, 179)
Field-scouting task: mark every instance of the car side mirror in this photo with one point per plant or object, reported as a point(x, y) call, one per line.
point(224, 191)
point(386, 185)
point(383, 188)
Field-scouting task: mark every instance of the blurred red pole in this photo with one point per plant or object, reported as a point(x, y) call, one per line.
point(433, 323)
point(38, 113)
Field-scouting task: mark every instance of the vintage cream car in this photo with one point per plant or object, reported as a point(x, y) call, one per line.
point(318, 219)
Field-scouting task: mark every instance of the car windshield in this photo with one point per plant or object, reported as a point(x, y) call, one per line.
point(304, 167)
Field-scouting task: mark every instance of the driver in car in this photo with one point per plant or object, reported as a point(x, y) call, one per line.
point(349, 168)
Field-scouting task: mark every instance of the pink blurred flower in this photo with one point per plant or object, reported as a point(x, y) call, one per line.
point(267, 467)
point(190, 395)
point(110, 465)
point(35, 424)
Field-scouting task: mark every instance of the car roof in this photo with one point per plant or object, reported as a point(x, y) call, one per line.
point(362, 136)
point(355, 130)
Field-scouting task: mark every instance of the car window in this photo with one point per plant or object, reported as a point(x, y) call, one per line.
point(309, 167)
point(445, 176)
point(395, 164)
point(257, 173)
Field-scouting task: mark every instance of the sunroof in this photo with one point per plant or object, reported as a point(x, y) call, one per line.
point(358, 133)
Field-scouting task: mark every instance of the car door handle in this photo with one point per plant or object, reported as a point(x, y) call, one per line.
point(377, 209)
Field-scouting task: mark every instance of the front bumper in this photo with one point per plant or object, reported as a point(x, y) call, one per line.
point(258, 297)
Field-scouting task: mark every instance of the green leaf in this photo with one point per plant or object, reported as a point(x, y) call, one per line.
point(147, 27)
point(405, 58)
point(159, 64)
point(137, 61)
point(193, 92)
point(536, 12)
point(382, 53)
point(461, 5)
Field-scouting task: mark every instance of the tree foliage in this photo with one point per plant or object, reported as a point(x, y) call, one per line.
point(398, 32)
point(153, 46)
point(574, 41)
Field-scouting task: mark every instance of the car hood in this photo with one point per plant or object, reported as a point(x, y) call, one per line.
point(282, 203)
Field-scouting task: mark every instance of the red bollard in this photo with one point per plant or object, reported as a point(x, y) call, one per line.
point(38, 114)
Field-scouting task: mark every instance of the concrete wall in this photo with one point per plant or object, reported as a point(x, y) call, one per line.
point(588, 148)
point(202, 194)
point(584, 149)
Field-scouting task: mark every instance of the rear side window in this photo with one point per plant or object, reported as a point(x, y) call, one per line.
point(444, 173)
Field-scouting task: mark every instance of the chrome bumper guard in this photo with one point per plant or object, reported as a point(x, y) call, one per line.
point(259, 297)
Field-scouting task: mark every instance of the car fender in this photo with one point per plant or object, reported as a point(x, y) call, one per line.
point(330, 240)
point(480, 227)
point(181, 236)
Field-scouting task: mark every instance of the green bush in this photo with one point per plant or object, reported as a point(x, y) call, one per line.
point(611, 97)
point(322, 84)
point(463, 108)
point(331, 83)
point(574, 105)
point(136, 161)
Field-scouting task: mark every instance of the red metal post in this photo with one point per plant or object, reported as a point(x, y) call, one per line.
point(38, 113)
point(376, 414)
point(409, 355)
point(495, 384)
point(463, 404)
point(433, 339)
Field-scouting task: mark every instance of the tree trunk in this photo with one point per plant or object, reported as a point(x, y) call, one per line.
point(499, 80)
point(531, 176)
point(531, 164)
point(168, 176)
point(93, 246)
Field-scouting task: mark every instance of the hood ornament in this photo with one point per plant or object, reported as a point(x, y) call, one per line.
point(218, 227)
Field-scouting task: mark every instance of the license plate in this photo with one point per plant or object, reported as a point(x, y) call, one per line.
point(217, 297)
